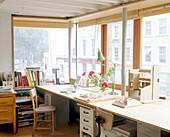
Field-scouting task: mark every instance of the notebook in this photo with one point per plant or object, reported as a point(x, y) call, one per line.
point(70, 89)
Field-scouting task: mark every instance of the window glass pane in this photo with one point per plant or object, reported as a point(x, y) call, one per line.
point(89, 40)
point(114, 50)
point(44, 48)
point(155, 49)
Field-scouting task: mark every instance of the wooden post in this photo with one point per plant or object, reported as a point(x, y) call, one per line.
point(69, 46)
point(104, 47)
point(137, 44)
point(124, 24)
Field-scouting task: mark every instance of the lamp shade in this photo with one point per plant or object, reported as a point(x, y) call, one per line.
point(100, 56)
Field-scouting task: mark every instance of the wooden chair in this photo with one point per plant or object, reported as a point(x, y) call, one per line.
point(105, 120)
point(39, 110)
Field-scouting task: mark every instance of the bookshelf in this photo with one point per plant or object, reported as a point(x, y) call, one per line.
point(30, 78)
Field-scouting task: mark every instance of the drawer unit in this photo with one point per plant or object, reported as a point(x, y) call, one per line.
point(86, 112)
point(85, 121)
point(148, 130)
point(6, 114)
point(5, 101)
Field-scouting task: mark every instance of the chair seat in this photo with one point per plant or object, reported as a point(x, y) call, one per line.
point(45, 109)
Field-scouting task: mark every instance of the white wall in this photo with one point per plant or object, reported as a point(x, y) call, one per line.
point(5, 43)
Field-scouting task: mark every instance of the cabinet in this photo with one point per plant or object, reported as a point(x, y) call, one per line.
point(87, 121)
point(146, 130)
point(8, 109)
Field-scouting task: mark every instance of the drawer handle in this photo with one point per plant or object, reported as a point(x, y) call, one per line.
point(85, 112)
point(3, 119)
point(85, 120)
point(4, 102)
point(85, 128)
point(5, 110)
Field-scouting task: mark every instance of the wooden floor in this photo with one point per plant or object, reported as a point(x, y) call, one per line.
point(61, 131)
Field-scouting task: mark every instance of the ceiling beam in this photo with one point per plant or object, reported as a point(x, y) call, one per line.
point(39, 5)
point(96, 2)
point(69, 3)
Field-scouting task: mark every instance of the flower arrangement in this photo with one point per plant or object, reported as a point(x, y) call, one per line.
point(100, 79)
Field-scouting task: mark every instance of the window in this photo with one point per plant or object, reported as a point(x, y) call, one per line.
point(148, 28)
point(162, 54)
point(94, 67)
point(116, 54)
point(93, 47)
point(147, 51)
point(155, 49)
point(84, 68)
point(87, 44)
point(114, 51)
point(84, 47)
point(128, 54)
point(116, 31)
point(162, 26)
point(36, 47)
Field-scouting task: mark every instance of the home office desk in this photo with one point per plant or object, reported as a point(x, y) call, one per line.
point(153, 114)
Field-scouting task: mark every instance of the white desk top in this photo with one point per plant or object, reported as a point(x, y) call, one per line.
point(154, 114)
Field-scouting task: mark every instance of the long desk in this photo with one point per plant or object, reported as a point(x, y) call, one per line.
point(153, 114)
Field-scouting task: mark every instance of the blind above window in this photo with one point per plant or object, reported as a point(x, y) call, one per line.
point(37, 22)
point(131, 15)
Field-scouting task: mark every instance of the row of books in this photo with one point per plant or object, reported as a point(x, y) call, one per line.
point(30, 79)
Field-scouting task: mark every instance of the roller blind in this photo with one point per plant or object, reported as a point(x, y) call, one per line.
point(34, 22)
point(131, 15)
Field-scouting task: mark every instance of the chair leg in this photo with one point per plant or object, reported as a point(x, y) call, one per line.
point(53, 121)
point(34, 127)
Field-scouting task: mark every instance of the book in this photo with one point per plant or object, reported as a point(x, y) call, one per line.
point(16, 78)
point(29, 78)
point(36, 76)
point(24, 79)
point(19, 79)
point(33, 78)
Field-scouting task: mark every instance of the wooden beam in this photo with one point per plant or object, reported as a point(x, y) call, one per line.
point(104, 47)
point(137, 44)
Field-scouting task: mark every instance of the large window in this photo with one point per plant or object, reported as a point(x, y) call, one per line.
point(89, 40)
point(114, 50)
point(157, 51)
point(44, 48)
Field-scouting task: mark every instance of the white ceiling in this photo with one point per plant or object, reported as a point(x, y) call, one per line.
point(57, 8)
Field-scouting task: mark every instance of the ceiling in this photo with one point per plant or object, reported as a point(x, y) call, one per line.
point(57, 8)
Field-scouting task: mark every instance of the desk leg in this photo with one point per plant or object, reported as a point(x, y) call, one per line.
point(14, 114)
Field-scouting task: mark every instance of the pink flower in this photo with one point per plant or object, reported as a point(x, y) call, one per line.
point(100, 74)
point(84, 74)
point(91, 73)
point(104, 85)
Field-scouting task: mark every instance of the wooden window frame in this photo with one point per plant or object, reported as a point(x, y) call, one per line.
point(136, 48)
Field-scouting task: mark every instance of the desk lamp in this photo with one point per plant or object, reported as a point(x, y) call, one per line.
point(101, 58)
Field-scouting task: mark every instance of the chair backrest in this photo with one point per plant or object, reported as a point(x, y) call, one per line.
point(108, 119)
point(34, 97)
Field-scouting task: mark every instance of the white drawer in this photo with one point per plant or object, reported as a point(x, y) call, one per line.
point(86, 112)
point(86, 121)
point(148, 130)
point(86, 129)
